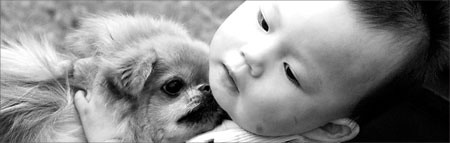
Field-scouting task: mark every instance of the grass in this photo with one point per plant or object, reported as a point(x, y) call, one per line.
point(56, 18)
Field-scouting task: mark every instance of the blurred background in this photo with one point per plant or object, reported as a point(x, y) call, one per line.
point(55, 18)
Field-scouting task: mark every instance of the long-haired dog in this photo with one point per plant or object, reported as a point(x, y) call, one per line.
point(153, 75)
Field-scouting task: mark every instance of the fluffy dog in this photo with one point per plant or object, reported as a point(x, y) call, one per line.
point(153, 75)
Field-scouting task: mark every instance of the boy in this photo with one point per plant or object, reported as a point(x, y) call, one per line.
point(303, 68)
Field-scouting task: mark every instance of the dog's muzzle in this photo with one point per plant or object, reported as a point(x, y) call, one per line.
point(206, 110)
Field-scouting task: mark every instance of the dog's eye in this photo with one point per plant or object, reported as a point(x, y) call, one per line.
point(173, 87)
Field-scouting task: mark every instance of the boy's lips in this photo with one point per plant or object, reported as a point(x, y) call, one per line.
point(230, 79)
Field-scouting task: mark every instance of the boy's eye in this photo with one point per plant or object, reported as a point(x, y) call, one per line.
point(290, 75)
point(262, 22)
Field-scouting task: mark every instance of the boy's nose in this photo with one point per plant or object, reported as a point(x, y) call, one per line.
point(255, 64)
point(258, 57)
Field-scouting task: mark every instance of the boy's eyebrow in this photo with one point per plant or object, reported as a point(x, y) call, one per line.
point(276, 11)
point(314, 82)
point(310, 80)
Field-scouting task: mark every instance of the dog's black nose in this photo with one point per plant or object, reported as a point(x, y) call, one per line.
point(205, 89)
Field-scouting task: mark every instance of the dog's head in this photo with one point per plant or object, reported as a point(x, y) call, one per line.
point(165, 78)
point(155, 75)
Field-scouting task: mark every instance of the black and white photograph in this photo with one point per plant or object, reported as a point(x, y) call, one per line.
point(202, 71)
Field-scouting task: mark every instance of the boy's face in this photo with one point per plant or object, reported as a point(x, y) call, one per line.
point(288, 67)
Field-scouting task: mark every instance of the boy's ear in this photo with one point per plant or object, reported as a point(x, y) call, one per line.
point(339, 130)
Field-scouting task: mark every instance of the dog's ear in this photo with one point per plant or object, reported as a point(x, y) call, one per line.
point(128, 70)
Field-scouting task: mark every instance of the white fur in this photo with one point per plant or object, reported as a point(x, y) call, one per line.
point(35, 93)
point(30, 60)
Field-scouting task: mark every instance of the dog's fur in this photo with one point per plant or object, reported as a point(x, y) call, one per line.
point(130, 61)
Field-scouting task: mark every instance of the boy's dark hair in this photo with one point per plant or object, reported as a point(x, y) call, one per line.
point(420, 26)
